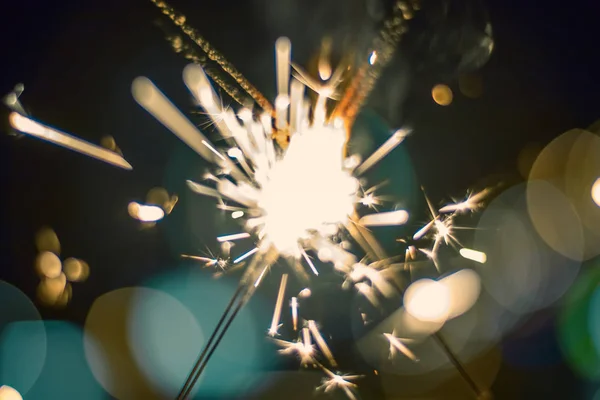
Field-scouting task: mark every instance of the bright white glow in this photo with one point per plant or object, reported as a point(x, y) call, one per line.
point(235, 236)
point(427, 300)
point(464, 287)
point(373, 58)
point(144, 212)
point(398, 217)
point(237, 214)
point(473, 255)
point(308, 190)
point(245, 255)
point(8, 393)
point(596, 192)
point(294, 306)
point(33, 128)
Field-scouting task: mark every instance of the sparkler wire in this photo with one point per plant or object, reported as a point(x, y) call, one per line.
point(203, 358)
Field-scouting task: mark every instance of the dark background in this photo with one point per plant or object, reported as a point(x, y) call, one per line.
point(78, 58)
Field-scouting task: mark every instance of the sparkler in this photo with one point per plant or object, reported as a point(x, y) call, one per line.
point(293, 187)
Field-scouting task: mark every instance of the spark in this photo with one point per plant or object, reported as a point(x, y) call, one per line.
point(278, 304)
point(29, 126)
point(235, 236)
point(398, 217)
point(389, 145)
point(312, 326)
point(245, 255)
point(473, 255)
point(397, 345)
point(309, 262)
point(335, 381)
point(294, 306)
point(471, 203)
point(237, 214)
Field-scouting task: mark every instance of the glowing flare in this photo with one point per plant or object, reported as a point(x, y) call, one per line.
point(9, 393)
point(428, 300)
point(473, 255)
point(596, 192)
point(396, 344)
point(399, 217)
point(144, 212)
point(294, 306)
point(33, 128)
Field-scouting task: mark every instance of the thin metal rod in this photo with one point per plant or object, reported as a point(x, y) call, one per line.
point(201, 368)
point(191, 379)
point(458, 365)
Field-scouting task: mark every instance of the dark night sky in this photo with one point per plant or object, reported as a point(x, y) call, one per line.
point(78, 58)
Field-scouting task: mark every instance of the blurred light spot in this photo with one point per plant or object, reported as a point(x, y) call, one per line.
point(427, 300)
point(164, 337)
point(50, 290)
point(65, 374)
point(107, 349)
point(304, 293)
point(373, 58)
point(442, 94)
point(76, 270)
point(48, 265)
point(8, 393)
point(471, 85)
point(236, 366)
point(46, 240)
point(22, 340)
point(237, 214)
point(523, 274)
point(596, 192)
point(527, 157)
point(463, 287)
point(578, 322)
point(145, 213)
point(473, 255)
point(160, 197)
point(563, 213)
point(324, 66)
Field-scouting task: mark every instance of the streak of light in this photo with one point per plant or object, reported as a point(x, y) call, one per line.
point(398, 217)
point(471, 203)
point(235, 236)
point(396, 344)
point(260, 277)
point(245, 255)
point(278, 305)
point(309, 262)
point(383, 150)
point(209, 261)
point(283, 51)
point(204, 190)
point(473, 255)
point(33, 128)
point(294, 306)
point(321, 342)
point(156, 103)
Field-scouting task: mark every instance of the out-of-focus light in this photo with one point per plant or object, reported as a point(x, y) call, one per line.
point(442, 94)
point(304, 293)
point(8, 393)
point(373, 58)
point(473, 255)
point(76, 270)
point(47, 240)
point(50, 290)
point(237, 214)
point(428, 300)
point(464, 287)
point(48, 265)
point(145, 213)
point(596, 192)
